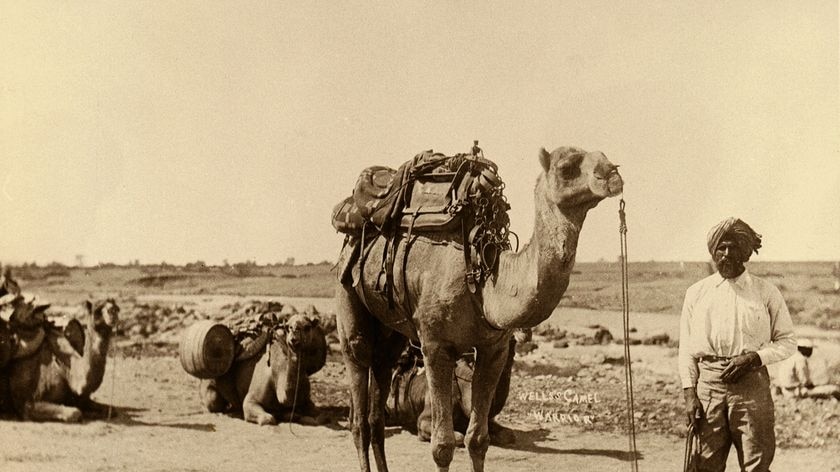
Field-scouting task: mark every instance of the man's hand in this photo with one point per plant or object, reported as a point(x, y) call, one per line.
point(693, 407)
point(738, 366)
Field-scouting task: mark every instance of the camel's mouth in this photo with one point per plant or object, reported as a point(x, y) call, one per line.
point(610, 184)
point(615, 184)
point(104, 328)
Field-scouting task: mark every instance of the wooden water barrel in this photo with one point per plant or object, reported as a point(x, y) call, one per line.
point(207, 349)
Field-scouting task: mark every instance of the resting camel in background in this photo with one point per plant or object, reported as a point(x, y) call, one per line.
point(448, 319)
point(56, 380)
point(409, 403)
point(274, 385)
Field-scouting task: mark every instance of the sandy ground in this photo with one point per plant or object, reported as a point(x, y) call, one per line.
point(160, 426)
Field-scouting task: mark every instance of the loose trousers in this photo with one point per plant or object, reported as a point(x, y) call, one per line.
point(739, 414)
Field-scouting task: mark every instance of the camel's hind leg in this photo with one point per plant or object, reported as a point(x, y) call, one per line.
point(387, 352)
point(212, 399)
point(23, 382)
point(489, 363)
point(355, 332)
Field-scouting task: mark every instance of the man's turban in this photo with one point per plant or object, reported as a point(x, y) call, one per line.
point(744, 236)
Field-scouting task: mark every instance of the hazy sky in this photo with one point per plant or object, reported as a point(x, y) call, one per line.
point(179, 131)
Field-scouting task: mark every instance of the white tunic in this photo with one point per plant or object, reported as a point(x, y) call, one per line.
point(729, 317)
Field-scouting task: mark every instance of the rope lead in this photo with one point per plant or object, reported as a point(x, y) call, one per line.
point(628, 372)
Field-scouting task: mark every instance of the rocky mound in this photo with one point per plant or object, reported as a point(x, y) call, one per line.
point(155, 328)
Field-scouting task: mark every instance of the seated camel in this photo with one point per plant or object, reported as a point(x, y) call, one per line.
point(55, 379)
point(274, 383)
point(409, 403)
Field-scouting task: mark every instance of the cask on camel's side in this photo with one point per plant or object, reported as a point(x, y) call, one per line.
point(207, 349)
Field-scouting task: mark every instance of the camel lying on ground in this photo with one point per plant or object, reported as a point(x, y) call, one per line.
point(55, 382)
point(273, 385)
point(409, 404)
point(448, 319)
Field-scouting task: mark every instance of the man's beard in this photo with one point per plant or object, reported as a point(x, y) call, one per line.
point(729, 268)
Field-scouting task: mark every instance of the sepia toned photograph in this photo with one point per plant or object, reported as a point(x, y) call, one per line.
point(419, 236)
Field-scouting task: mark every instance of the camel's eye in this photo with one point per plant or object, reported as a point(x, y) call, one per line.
point(569, 167)
point(570, 172)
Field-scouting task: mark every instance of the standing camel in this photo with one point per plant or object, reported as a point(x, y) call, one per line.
point(447, 319)
point(56, 381)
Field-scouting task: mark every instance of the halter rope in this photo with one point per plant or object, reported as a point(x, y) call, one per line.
point(628, 372)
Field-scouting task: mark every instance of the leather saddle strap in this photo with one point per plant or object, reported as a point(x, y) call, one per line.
point(470, 275)
point(383, 268)
point(361, 255)
point(389, 274)
point(411, 378)
point(406, 298)
point(395, 387)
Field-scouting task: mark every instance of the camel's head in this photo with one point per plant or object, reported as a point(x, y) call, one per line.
point(103, 314)
point(575, 178)
point(300, 331)
point(305, 340)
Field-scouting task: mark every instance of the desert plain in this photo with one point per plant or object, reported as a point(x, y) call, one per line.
point(566, 405)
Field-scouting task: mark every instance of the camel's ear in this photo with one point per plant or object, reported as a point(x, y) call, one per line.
point(545, 159)
point(88, 306)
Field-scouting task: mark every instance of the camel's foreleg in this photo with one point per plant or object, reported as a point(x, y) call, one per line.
point(261, 395)
point(359, 407)
point(44, 411)
point(489, 364)
point(440, 367)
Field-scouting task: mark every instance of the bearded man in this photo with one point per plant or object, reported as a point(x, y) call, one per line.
point(733, 325)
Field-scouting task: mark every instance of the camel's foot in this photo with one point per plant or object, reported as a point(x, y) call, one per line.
point(261, 418)
point(264, 420)
point(74, 416)
point(501, 435)
point(70, 415)
point(307, 420)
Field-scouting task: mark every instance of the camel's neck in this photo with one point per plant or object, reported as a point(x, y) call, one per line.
point(531, 282)
point(88, 371)
point(294, 376)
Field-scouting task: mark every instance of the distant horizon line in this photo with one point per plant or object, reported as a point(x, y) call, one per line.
point(254, 263)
